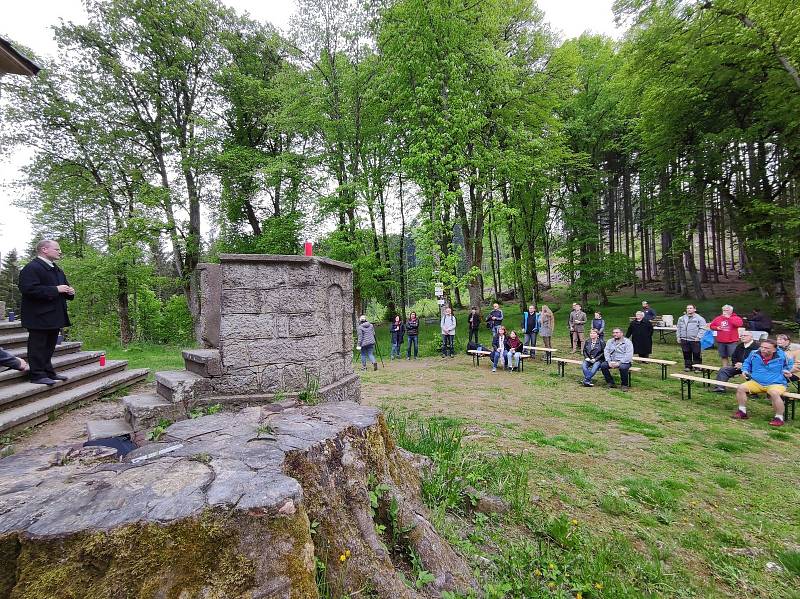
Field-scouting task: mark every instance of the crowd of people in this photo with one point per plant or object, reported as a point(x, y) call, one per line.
point(767, 366)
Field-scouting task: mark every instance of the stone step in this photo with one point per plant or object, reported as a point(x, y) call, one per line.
point(5, 325)
point(65, 348)
point(13, 338)
point(180, 385)
point(205, 362)
point(60, 363)
point(144, 411)
point(104, 429)
point(40, 410)
point(22, 389)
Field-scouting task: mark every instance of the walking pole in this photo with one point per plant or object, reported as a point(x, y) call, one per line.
point(378, 348)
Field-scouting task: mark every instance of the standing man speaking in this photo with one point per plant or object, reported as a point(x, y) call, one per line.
point(45, 292)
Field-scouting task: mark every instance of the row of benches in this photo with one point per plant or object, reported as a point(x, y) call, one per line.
point(686, 380)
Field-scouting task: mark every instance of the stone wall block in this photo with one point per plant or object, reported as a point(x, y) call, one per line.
point(249, 326)
point(242, 301)
point(253, 276)
point(305, 325)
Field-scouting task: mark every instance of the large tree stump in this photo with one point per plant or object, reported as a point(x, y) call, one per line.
point(240, 509)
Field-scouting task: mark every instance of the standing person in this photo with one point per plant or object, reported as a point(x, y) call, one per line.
point(500, 348)
point(740, 354)
point(593, 355)
point(649, 313)
point(531, 323)
point(766, 371)
point(495, 318)
point(571, 328)
point(474, 324)
point(398, 331)
point(691, 328)
point(640, 332)
point(547, 325)
point(618, 353)
point(45, 292)
point(366, 343)
point(600, 324)
point(514, 350)
point(448, 325)
point(577, 322)
point(412, 330)
point(727, 327)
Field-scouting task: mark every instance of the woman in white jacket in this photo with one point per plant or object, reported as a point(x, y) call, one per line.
point(448, 332)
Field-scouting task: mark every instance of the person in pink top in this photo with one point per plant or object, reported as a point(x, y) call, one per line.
point(727, 327)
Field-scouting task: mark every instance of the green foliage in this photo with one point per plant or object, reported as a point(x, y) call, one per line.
point(158, 430)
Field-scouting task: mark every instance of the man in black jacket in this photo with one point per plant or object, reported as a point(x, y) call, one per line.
point(45, 292)
point(746, 345)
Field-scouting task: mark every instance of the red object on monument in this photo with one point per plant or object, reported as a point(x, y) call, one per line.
point(309, 251)
point(103, 360)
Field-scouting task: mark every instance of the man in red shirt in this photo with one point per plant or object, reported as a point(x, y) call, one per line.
point(727, 327)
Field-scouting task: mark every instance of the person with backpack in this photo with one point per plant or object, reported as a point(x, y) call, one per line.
point(412, 331)
point(366, 342)
point(398, 330)
point(531, 322)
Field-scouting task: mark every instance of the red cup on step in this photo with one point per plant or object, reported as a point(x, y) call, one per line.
point(309, 249)
point(103, 360)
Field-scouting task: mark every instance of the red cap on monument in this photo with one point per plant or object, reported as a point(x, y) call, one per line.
point(309, 250)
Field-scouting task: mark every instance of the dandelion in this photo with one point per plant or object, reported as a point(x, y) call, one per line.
point(574, 522)
point(537, 572)
point(347, 553)
point(598, 586)
point(552, 585)
point(579, 595)
point(342, 558)
point(552, 566)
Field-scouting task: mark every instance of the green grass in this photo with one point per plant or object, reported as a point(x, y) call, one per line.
point(147, 355)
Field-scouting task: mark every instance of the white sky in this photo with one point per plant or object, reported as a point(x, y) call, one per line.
point(29, 23)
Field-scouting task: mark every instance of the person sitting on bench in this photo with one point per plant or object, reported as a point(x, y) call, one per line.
point(766, 371)
point(500, 348)
point(592, 357)
point(785, 345)
point(740, 354)
point(514, 349)
point(10, 361)
point(618, 354)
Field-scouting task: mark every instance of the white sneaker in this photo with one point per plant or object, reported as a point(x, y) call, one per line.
point(494, 369)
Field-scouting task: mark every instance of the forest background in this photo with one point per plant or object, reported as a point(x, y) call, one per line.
point(422, 141)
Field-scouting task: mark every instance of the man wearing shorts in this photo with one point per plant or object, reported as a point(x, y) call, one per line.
point(727, 327)
point(766, 371)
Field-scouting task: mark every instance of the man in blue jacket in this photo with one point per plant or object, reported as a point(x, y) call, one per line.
point(766, 371)
point(530, 326)
point(45, 292)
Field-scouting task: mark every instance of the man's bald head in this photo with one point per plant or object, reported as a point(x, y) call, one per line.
point(48, 248)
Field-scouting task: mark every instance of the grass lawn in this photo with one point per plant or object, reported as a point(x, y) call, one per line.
point(614, 494)
point(148, 355)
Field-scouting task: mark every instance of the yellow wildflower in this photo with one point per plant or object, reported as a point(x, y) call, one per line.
point(574, 522)
point(537, 572)
point(342, 557)
point(347, 553)
point(552, 585)
point(551, 566)
point(598, 586)
point(579, 595)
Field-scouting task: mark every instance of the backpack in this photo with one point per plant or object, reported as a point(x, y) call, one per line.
point(472, 345)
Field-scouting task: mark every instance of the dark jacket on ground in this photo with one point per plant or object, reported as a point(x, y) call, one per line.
point(474, 321)
point(43, 307)
point(398, 331)
point(640, 333)
point(594, 351)
point(412, 328)
point(741, 352)
point(9, 361)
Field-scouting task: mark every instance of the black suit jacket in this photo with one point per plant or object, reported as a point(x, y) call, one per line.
point(43, 307)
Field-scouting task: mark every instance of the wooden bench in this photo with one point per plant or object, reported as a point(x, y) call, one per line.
point(476, 357)
point(662, 363)
point(686, 380)
point(548, 351)
point(560, 362)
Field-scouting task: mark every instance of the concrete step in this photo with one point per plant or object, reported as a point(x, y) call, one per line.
point(65, 348)
point(38, 411)
point(60, 363)
point(180, 385)
point(205, 362)
point(13, 338)
point(5, 325)
point(104, 429)
point(145, 410)
point(22, 389)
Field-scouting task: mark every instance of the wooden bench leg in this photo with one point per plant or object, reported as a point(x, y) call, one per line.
point(689, 390)
point(549, 358)
point(663, 372)
point(561, 369)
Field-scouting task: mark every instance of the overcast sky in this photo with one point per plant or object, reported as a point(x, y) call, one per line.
point(29, 23)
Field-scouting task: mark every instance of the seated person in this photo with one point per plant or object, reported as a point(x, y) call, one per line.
point(618, 353)
point(500, 347)
point(766, 371)
point(759, 321)
point(592, 357)
point(514, 348)
point(785, 345)
point(739, 356)
point(10, 361)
